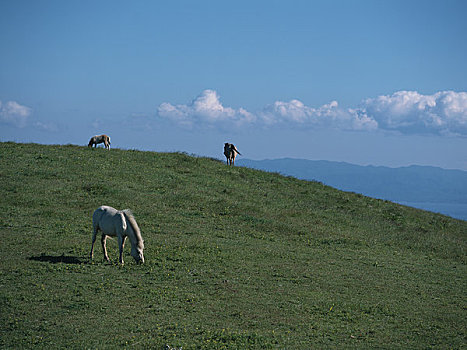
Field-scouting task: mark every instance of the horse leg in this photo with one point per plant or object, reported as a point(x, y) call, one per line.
point(121, 245)
point(103, 241)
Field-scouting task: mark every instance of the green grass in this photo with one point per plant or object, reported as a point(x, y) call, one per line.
point(235, 258)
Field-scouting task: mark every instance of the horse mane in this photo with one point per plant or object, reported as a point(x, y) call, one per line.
point(131, 220)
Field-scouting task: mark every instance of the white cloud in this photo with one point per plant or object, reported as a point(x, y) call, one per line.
point(443, 113)
point(12, 112)
point(46, 126)
point(327, 116)
point(204, 109)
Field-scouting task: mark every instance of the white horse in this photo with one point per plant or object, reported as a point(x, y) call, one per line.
point(119, 223)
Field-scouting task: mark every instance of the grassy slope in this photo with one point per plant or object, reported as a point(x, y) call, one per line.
point(235, 258)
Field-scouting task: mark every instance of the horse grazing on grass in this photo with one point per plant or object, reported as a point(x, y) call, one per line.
point(95, 140)
point(120, 224)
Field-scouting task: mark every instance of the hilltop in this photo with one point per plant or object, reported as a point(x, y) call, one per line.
point(235, 258)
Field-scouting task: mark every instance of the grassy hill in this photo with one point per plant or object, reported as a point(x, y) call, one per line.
point(235, 258)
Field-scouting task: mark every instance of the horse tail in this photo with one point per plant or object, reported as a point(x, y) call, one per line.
point(134, 226)
point(235, 149)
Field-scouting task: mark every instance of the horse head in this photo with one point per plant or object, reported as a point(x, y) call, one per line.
point(137, 254)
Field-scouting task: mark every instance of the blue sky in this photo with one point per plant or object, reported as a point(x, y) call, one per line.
point(366, 82)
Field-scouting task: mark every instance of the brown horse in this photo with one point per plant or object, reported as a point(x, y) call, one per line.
point(95, 140)
point(230, 152)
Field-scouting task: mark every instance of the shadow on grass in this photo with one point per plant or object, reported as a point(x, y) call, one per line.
point(58, 259)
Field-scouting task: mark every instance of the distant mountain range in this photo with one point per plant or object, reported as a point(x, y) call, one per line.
point(424, 187)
